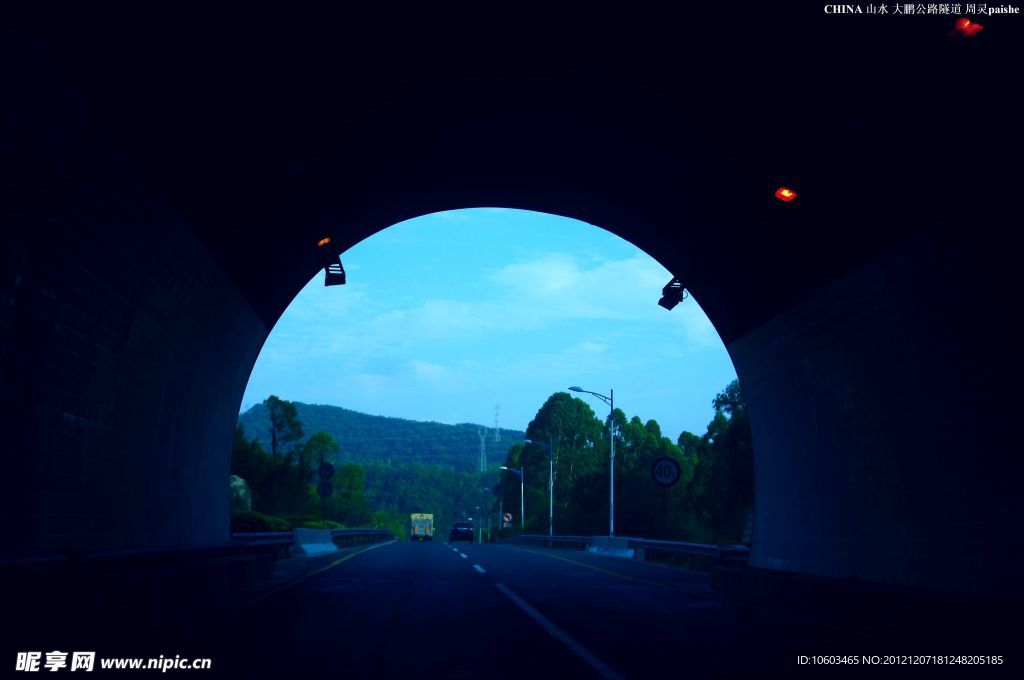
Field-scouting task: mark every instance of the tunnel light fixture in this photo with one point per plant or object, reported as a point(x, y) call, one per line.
point(330, 260)
point(785, 194)
point(672, 294)
point(965, 28)
point(334, 275)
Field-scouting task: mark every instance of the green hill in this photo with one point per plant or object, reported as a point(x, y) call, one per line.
point(365, 438)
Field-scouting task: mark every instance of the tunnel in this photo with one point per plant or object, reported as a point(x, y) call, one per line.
point(165, 183)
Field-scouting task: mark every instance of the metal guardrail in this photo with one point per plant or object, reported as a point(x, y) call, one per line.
point(286, 539)
point(162, 555)
point(571, 542)
point(722, 553)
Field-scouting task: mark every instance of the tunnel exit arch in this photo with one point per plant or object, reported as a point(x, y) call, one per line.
point(143, 271)
point(472, 246)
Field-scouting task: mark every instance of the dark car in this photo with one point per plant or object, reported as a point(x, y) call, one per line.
point(462, 531)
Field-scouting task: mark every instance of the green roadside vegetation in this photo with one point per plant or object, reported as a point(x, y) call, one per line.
point(710, 503)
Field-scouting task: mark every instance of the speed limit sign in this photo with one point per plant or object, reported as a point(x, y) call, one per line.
point(665, 471)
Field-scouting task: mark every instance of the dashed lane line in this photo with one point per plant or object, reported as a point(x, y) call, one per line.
point(603, 669)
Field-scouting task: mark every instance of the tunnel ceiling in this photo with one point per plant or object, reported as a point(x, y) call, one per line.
point(266, 133)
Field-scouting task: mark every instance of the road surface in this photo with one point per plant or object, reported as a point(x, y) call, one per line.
point(473, 611)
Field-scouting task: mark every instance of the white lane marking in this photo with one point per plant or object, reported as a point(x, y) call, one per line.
point(479, 568)
point(464, 556)
point(554, 631)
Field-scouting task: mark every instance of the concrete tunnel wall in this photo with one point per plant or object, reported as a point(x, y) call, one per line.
point(126, 352)
point(882, 416)
point(882, 403)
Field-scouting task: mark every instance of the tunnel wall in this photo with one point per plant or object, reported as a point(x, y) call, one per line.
point(879, 409)
point(881, 414)
point(882, 411)
point(125, 352)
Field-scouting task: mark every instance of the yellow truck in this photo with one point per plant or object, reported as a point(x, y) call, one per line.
point(422, 527)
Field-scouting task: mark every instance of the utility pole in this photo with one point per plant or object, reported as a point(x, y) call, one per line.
point(611, 435)
point(610, 400)
point(551, 482)
point(483, 450)
point(521, 471)
point(551, 490)
point(522, 500)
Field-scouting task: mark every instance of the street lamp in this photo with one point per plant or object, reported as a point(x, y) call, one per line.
point(522, 493)
point(551, 485)
point(476, 521)
point(610, 400)
point(490, 512)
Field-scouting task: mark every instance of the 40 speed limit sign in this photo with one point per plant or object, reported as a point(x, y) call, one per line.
point(665, 471)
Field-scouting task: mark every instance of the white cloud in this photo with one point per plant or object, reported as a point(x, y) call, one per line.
point(425, 370)
point(374, 383)
point(536, 324)
point(557, 285)
point(527, 296)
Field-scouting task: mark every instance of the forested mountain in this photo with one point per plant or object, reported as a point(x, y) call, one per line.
point(365, 438)
point(429, 467)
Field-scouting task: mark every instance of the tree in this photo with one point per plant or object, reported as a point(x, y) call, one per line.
point(285, 428)
point(279, 484)
point(319, 448)
point(730, 401)
point(577, 439)
point(709, 502)
point(250, 462)
point(721, 492)
point(348, 502)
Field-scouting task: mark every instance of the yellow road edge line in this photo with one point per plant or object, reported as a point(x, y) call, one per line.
point(299, 579)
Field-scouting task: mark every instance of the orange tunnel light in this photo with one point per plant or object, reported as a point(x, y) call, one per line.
point(967, 28)
point(324, 241)
point(785, 194)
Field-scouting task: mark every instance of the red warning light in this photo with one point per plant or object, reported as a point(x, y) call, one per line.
point(965, 28)
point(785, 194)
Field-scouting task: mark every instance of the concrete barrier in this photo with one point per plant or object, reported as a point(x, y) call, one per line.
point(611, 545)
point(314, 541)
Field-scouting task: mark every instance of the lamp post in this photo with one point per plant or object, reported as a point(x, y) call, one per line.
point(551, 485)
point(610, 400)
point(522, 493)
point(476, 520)
point(490, 511)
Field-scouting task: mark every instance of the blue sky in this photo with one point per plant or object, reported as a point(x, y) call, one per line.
point(446, 315)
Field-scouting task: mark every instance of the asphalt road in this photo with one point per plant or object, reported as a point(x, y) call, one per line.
point(431, 610)
point(475, 611)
